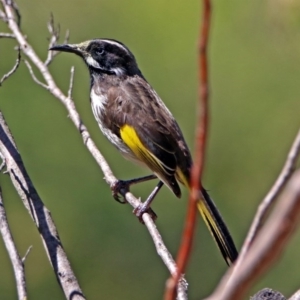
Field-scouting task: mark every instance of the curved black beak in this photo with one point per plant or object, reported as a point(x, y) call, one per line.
point(72, 48)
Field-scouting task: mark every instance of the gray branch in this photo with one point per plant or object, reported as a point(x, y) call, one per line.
point(6, 35)
point(39, 214)
point(265, 205)
point(295, 296)
point(15, 259)
point(54, 37)
point(13, 70)
point(267, 247)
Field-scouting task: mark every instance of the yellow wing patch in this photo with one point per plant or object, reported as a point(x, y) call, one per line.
point(133, 142)
point(131, 139)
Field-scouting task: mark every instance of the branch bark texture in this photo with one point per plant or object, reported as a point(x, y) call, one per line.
point(267, 247)
point(39, 214)
point(14, 256)
point(267, 202)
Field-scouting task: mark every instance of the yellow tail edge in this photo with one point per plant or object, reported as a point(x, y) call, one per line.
point(217, 228)
point(213, 221)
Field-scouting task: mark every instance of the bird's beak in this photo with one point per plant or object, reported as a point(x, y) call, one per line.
point(73, 48)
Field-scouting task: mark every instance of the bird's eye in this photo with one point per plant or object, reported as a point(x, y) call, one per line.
point(99, 51)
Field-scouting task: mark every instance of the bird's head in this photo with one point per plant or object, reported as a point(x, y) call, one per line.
point(104, 56)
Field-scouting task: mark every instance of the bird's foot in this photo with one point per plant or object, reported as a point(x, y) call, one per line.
point(120, 187)
point(145, 207)
point(141, 209)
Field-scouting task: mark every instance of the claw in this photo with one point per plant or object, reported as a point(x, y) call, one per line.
point(141, 209)
point(116, 189)
point(121, 187)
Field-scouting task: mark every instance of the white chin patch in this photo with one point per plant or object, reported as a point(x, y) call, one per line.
point(91, 62)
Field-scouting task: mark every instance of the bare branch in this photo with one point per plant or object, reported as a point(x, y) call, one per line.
point(269, 199)
point(39, 214)
point(13, 70)
point(26, 254)
point(295, 296)
point(71, 83)
point(74, 116)
point(11, 248)
point(7, 35)
point(67, 36)
point(15, 7)
point(267, 247)
point(33, 76)
point(55, 34)
point(3, 16)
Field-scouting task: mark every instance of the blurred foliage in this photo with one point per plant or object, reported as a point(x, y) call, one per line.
point(254, 67)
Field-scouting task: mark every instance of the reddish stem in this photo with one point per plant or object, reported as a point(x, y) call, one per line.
point(201, 138)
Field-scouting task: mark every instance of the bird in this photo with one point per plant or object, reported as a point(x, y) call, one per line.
point(136, 121)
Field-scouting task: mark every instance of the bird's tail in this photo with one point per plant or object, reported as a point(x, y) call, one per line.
point(217, 227)
point(213, 220)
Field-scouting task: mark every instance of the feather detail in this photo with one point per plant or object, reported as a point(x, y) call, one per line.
point(166, 173)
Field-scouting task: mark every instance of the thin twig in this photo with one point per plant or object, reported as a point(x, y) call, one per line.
point(26, 254)
point(13, 70)
point(67, 36)
point(55, 34)
point(39, 214)
point(269, 199)
point(267, 247)
point(197, 169)
point(3, 16)
point(7, 35)
point(74, 116)
point(33, 76)
point(13, 254)
point(54, 37)
point(71, 82)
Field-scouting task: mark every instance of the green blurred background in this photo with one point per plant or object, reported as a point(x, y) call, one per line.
point(254, 76)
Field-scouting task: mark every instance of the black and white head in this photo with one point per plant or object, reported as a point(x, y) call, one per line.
point(104, 56)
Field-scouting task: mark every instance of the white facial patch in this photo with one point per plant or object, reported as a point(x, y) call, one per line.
point(92, 62)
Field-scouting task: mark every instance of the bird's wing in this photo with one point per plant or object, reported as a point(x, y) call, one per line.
point(146, 126)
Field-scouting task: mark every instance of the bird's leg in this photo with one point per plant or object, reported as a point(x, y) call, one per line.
point(145, 207)
point(122, 186)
